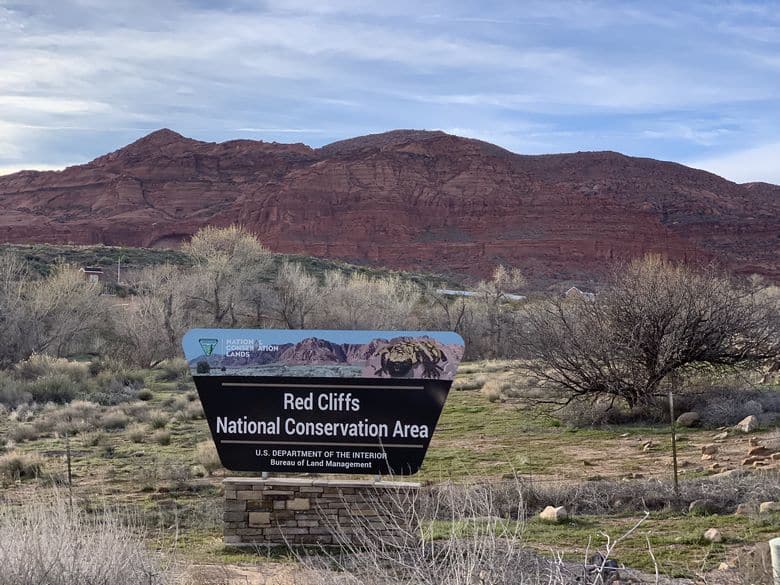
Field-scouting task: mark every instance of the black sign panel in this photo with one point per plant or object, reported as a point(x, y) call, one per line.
point(371, 408)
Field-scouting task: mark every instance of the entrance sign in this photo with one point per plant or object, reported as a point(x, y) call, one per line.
point(325, 401)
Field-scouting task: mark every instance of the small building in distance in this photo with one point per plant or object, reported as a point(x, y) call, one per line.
point(92, 273)
point(575, 293)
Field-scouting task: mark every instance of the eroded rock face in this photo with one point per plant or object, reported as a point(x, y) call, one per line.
point(404, 199)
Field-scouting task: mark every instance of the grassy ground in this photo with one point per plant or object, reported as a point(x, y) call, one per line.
point(162, 481)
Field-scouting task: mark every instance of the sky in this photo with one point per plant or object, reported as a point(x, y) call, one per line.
point(691, 82)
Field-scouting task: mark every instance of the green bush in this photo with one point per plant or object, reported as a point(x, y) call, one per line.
point(145, 394)
point(203, 368)
point(58, 388)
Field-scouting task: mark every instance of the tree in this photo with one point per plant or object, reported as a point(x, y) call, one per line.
point(496, 305)
point(297, 295)
point(66, 313)
point(361, 302)
point(655, 319)
point(228, 261)
point(14, 313)
point(150, 328)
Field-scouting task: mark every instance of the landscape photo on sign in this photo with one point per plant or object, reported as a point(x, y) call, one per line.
point(296, 352)
point(323, 401)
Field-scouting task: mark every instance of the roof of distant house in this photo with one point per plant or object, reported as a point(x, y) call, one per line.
point(471, 293)
point(91, 269)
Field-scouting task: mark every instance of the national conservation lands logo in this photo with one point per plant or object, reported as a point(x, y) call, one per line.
point(321, 401)
point(208, 345)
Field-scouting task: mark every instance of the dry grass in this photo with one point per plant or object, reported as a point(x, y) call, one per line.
point(56, 545)
point(206, 454)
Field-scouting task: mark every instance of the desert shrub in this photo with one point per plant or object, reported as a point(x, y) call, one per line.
point(58, 388)
point(17, 465)
point(40, 366)
point(54, 544)
point(113, 388)
point(474, 383)
point(78, 416)
point(184, 385)
point(145, 394)
point(191, 396)
point(159, 420)
point(94, 438)
point(12, 393)
point(137, 433)
point(528, 497)
point(171, 370)
point(19, 433)
point(727, 406)
point(470, 544)
point(162, 437)
point(492, 390)
point(138, 411)
point(113, 420)
point(193, 411)
point(206, 454)
point(203, 368)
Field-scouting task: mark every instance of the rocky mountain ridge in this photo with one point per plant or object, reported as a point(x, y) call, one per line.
point(414, 200)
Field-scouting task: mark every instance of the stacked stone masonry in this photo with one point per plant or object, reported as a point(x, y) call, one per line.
point(292, 511)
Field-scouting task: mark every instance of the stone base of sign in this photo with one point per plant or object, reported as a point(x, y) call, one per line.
point(293, 511)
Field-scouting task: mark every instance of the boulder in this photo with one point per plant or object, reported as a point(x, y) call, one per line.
point(759, 451)
point(689, 419)
point(747, 424)
point(745, 509)
point(721, 436)
point(713, 535)
point(554, 514)
point(768, 507)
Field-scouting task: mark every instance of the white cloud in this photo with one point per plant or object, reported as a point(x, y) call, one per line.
point(745, 166)
point(8, 169)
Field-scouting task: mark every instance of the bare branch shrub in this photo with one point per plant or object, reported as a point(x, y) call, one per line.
point(655, 320)
point(56, 545)
point(448, 536)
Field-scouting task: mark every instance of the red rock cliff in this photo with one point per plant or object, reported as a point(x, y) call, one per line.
point(404, 199)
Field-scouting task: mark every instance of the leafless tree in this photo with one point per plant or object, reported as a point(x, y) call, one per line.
point(66, 312)
point(494, 296)
point(296, 295)
point(361, 302)
point(149, 327)
point(655, 318)
point(14, 316)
